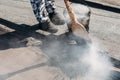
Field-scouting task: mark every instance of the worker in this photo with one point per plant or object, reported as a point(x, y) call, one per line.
point(46, 15)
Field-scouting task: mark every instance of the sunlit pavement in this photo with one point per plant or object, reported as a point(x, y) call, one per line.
point(104, 32)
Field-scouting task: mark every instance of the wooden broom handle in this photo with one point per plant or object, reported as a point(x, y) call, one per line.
point(70, 11)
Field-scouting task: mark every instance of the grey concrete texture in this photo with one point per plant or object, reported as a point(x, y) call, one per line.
point(19, 62)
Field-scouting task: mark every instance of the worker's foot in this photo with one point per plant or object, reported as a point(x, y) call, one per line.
point(56, 18)
point(48, 26)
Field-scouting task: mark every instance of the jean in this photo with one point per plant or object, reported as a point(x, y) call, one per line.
point(42, 8)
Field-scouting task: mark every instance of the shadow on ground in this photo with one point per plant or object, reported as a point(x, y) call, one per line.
point(98, 5)
point(104, 7)
point(24, 31)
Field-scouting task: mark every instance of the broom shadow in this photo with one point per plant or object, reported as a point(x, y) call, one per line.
point(21, 32)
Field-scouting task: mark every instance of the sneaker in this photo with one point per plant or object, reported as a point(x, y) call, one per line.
point(48, 26)
point(56, 18)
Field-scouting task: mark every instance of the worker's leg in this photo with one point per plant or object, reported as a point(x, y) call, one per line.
point(41, 15)
point(54, 16)
point(39, 10)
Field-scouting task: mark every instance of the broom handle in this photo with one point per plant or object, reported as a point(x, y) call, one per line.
point(70, 11)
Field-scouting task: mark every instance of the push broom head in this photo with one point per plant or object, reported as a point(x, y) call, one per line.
point(76, 28)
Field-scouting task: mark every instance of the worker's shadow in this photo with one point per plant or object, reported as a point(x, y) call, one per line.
point(59, 57)
point(17, 38)
point(21, 32)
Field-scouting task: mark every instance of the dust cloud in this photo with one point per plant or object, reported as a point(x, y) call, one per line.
point(78, 62)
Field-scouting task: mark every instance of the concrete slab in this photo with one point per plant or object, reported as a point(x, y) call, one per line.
point(19, 62)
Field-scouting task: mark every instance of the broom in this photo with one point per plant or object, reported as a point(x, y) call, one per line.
point(76, 28)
